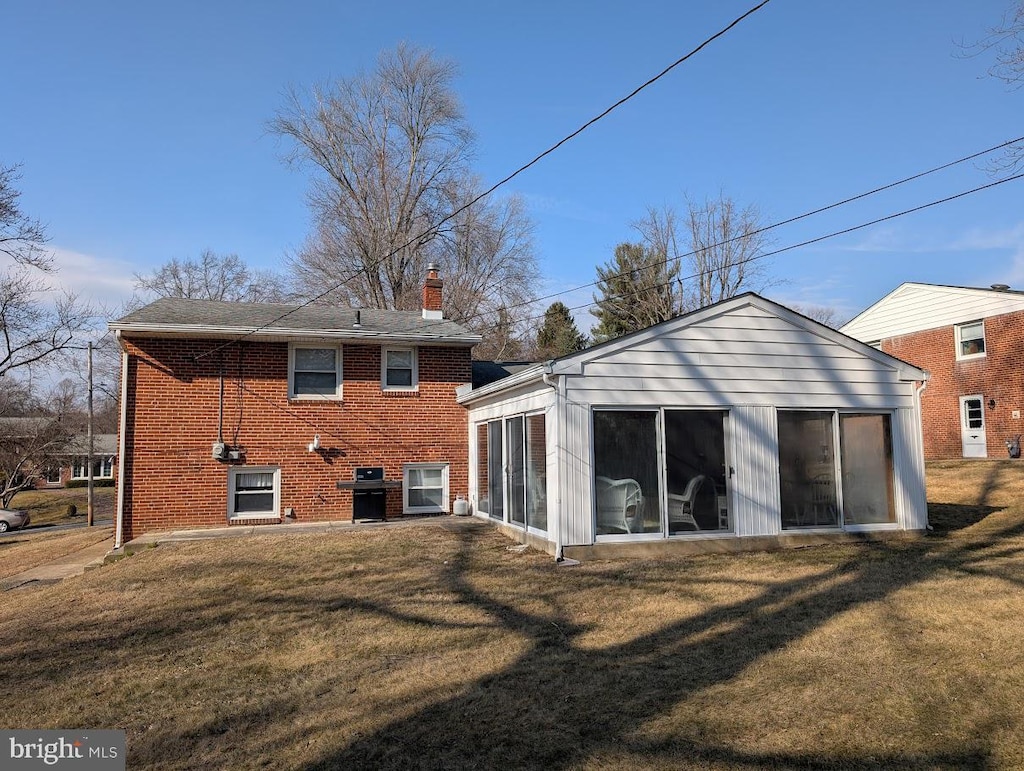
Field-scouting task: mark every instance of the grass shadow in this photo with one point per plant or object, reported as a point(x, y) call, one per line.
point(947, 518)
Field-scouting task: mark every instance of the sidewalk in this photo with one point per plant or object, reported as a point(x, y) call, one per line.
point(69, 565)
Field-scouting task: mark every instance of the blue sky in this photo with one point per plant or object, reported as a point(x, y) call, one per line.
point(141, 127)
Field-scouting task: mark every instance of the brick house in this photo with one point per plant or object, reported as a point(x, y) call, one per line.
point(242, 413)
point(971, 341)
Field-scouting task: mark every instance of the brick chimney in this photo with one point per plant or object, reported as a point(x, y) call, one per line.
point(432, 294)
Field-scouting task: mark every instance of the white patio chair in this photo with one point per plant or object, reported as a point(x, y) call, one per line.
point(680, 507)
point(619, 505)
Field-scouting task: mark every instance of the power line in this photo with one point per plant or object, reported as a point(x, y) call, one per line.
point(503, 181)
point(773, 226)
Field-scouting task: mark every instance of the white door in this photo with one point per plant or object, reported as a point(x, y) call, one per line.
point(972, 426)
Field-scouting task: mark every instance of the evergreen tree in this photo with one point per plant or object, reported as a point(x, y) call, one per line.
point(639, 288)
point(558, 335)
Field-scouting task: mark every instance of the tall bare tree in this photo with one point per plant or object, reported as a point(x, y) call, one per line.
point(36, 324)
point(1005, 42)
point(212, 277)
point(391, 151)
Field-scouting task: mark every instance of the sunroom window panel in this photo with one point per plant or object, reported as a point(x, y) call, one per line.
point(536, 473)
point(482, 470)
point(866, 454)
point(696, 470)
point(626, 485)
point(807, 470)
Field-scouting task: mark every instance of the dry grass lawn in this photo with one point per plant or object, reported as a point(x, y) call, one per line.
point(435, 647)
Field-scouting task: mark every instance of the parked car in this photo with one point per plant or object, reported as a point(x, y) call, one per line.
point(12, 519)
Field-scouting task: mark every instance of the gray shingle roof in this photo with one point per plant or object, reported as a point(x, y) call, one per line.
point(213, 318)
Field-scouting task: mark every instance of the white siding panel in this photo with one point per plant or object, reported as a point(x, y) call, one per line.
point(755, 486)
point(916, 307)
point(910, 492)
point(577, 508)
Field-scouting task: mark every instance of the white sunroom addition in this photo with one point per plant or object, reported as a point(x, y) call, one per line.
point(743, 420)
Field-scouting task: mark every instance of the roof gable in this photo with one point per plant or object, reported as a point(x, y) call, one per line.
point(757, 317)
point(914, 307)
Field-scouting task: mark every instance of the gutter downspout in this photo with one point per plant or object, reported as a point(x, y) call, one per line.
point(121, 444)
point(560, 417)
point(920, 437)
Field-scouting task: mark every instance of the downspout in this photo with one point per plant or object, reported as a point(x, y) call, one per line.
point(121, 444)
point(559, 387)
point(920, 436)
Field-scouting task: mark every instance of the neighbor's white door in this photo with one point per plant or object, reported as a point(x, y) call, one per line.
point(972, 426)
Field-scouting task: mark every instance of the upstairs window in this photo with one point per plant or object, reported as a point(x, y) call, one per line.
point(314, 372)
point(398, 369)
point(970, 340)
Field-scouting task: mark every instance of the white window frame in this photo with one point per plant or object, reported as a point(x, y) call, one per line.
point(80, 467)
point(336, 395)
point(960, 341)
point(384, 368)
point(49, 472)
point(406, 508)
point(233, 473)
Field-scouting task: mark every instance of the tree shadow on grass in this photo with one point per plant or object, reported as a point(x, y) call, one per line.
point(946, 518)
point(550, 707)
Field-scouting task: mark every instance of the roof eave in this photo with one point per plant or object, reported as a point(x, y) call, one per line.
point(280, 334)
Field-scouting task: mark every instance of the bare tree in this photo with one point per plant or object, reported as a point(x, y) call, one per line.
point(36, 437)
point(212, 277)
point(1005, 41)
point(22, 238)
point(823, 314)
point(391, 152)
point(726, 244)
point(36, 323)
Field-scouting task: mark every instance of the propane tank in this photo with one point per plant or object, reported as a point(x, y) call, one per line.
point(460, 507)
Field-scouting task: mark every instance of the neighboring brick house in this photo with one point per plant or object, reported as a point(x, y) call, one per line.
point(242, 413)
point(971, 341)
point(73, 468)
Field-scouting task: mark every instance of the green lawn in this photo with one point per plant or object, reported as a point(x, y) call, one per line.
point(434, 646)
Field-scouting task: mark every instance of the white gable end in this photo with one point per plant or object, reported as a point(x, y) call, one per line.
point(917, 307)
point(748, 351)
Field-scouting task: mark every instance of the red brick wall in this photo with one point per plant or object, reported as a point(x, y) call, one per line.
point(172, 417)
point(999, 375)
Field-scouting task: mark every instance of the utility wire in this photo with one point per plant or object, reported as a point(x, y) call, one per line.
point(501, 182)
point(675, 258)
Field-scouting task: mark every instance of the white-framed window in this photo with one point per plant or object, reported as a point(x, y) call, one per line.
point(102, 468)
point(254, 492)
point(425, 488)
point(398, 369)
point(970, 340)
point(51, 475)
point(314, 371)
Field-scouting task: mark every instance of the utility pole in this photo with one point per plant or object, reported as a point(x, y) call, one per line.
point(89, 518)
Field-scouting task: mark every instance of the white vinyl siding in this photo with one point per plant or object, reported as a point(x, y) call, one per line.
point(917, 307)
point(399, 370)
point(314, 371)
point(750, 360)
point(254, 492)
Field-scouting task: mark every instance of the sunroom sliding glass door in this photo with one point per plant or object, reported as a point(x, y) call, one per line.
point(696, 468)
point(512, 470)
point(807, 470)
point(627, 485)
point(866, 454)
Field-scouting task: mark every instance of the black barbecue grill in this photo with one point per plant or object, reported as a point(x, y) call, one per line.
point(369, 492)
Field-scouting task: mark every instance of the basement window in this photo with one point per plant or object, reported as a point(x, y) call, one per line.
point(425, 488)
point(970, 340)
point(254, 492)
